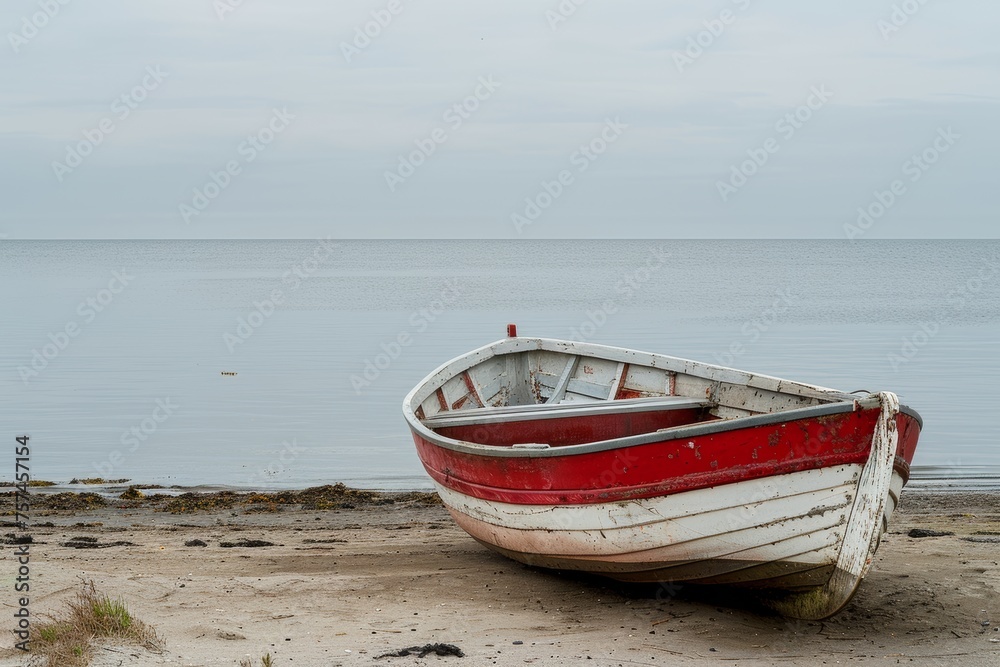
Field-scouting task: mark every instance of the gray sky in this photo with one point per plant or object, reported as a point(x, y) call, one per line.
point(685, 139)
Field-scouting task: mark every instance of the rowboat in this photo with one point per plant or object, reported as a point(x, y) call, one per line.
point(648, 468)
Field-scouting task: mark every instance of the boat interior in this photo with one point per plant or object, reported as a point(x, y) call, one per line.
point(540, 397)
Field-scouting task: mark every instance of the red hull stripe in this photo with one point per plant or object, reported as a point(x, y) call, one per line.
point(664, 467)
point(574, 430)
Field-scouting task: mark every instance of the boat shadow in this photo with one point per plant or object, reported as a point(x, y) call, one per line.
point(700, 595)
point(875, 611)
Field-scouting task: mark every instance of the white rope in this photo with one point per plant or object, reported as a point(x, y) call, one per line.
point(864, 526)
point(864, 529)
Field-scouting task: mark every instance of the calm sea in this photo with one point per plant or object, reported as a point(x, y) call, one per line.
point(278, 363)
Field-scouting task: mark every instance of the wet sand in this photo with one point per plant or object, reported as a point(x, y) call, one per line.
point(370, 575)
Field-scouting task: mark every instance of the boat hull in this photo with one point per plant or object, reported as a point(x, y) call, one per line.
point(781, 532)
point(686, 459)
point(671, 487)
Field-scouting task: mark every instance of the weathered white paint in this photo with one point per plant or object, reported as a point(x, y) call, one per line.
point(754, 533)
point(596, 374)
point(818, 527)
point(559, 389)
point(864, 528)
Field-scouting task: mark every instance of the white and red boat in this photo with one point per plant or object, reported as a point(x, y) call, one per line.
point(649, 468)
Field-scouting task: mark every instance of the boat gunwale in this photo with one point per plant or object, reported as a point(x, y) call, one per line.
point(838, 402)
point(542, 411)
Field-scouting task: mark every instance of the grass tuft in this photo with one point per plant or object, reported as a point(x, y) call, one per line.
point(67, 639)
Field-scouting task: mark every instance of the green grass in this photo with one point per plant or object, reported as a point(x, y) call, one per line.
point(67, 639)
point(112, 614)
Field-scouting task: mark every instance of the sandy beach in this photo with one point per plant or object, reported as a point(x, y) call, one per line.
point(353, 576)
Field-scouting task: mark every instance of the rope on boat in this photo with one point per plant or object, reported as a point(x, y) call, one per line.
point(865, 531)
point(864, 525)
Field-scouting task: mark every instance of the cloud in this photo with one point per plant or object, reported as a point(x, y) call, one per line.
point(355, 119)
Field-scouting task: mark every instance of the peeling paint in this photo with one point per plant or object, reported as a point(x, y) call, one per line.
point(582, 506)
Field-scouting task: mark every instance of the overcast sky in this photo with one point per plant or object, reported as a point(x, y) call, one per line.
point(115, 115)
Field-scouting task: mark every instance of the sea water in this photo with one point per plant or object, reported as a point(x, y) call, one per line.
point(275, 364)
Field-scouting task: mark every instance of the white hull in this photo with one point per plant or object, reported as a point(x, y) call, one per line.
point(705, 536)
point(643, 467)
point(783, 532)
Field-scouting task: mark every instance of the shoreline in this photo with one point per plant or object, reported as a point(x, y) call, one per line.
point(352, 574)
point(922, 480)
